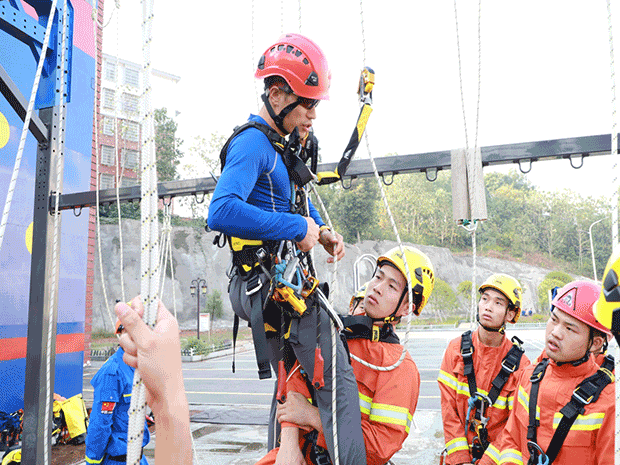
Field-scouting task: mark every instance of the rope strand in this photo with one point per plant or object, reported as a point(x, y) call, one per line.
point(614, 200)
point(25, 128)
point(52, 303)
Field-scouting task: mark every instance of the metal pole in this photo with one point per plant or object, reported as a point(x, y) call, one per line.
point(592, 247)
point(198, 308)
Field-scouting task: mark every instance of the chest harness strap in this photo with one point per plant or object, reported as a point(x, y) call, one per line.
point(251, 258)
point(478, 424)
point(587, 392)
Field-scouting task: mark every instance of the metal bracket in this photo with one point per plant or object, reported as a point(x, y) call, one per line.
point(579, 157)
point(431, 174)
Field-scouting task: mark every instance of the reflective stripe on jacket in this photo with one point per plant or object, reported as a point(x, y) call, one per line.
point(590, 440)
point(388, 399)
point(455, 394)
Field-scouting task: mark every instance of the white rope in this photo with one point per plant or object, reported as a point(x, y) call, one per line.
point(254, 81)
point(471, 158)
point(94, 14)
point(333, 331)
point(165, 254)
point(149, 269)
point(394, 228)
point(97, 180)
point(52, 303)
point(25, 128)
point(299, 15)
point(116, 162)
point(614, 201)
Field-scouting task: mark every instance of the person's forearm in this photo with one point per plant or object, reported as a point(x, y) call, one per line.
point(173, 444)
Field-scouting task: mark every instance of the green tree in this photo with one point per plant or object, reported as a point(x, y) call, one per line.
point(353, 211)
point(443, 300)
point(167, 146)
point(552, 279)
point(215, 305)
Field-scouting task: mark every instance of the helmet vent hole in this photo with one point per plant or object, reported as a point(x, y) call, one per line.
point(289, 48)
point(297, 53)
point(280, 47)
point(306, 62)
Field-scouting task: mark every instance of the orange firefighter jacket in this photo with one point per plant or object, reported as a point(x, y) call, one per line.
point(455, 394)
point(387, 399)
point(590, 439)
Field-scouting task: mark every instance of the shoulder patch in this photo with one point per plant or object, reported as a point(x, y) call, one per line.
point(107, 407)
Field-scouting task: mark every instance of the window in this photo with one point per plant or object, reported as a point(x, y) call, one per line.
point(108, 99)
point(130, 103)
point(131, 131)
point(131, 158)
point(109, 70)
point(132, 77)
point(108, 126)
point(106, 181)
point(128, 182)
point(107, 155)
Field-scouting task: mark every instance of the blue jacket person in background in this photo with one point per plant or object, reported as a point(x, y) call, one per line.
point(106, 439)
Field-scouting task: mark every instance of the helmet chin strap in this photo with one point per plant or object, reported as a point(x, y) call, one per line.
point(501, 329)
point(581, 360)
point(392, 317)
point(279, 118)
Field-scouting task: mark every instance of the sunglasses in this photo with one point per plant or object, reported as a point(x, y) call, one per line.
point(307, 103)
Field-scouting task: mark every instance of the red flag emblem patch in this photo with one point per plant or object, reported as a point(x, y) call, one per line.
point(107, 407)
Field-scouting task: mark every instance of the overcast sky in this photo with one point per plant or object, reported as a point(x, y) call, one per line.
point(545, 71)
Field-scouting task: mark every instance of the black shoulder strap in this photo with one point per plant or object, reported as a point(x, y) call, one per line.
point(510, 364)
point(362, 327)
point(587, 392)
point(467, 352)
point(276, 140)
point(537, 376)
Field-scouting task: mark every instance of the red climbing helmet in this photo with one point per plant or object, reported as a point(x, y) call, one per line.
point(300, 62)
point(577, 300)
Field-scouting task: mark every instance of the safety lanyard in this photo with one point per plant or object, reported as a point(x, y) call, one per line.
point(510, 364)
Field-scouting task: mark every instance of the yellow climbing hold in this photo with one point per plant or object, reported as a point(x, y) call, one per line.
point(4, 131)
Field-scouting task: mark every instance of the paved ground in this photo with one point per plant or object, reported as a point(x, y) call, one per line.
point(214, 391)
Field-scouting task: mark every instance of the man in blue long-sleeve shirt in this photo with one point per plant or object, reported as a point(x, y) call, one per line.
point(252, 205)
point(106, 438)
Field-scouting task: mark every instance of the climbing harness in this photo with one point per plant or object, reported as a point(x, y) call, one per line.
point(587, 392)
point(363, 327)
point(478, 401)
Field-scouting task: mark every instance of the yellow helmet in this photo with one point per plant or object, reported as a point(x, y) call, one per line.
point(607, 307)
point(508, 286)
point(359, 294)
point(421, 269)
